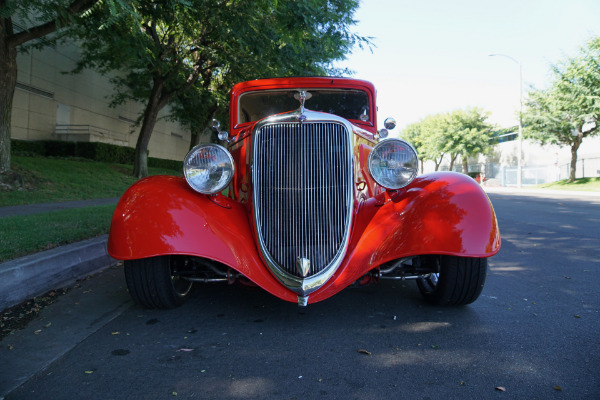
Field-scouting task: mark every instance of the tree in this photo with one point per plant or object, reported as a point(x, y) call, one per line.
point(568, 111)
point(171, 47)
point(459, 133)
point(468, 134)
point(426, 136)
point(41, 18)
point(193, 109)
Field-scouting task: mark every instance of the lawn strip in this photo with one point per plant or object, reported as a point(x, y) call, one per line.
point(49, 180)
point(581, 184)
point(23, 235)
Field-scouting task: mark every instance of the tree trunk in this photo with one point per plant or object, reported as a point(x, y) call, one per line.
point(574, 147)
point(438, 163)
point(452, 161)
point(194, 139)
point(465, 165)
point(8, 82)
point(156, 102)
point(205, 131)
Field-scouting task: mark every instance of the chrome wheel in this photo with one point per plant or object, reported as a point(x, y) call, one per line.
point(181, 286)
point(429, 281)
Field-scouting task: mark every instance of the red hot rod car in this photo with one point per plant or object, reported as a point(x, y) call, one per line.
point(304, 200)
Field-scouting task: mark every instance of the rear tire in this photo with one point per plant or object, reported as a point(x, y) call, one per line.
point(459, 280)
point(152, 283)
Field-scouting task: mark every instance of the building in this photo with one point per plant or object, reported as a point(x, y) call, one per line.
point(51, 104)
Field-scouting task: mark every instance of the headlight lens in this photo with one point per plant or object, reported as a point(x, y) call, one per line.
point(393, 163)
point(208, 168)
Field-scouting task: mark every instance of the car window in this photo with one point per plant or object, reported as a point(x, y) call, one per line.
point(346, 103)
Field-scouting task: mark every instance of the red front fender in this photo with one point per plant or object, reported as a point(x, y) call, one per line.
point(161, 215)
point(440, 213)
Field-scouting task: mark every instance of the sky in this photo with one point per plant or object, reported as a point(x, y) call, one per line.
point(431, 56)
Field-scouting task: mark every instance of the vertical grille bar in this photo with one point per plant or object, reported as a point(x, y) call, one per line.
point(303, 181)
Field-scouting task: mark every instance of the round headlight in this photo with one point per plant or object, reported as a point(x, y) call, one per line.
point(208, 168)
point(393, 163)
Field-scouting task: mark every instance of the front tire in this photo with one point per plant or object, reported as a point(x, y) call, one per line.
point(152, 282)
point(459, 280)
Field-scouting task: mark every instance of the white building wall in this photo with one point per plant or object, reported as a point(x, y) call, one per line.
point(46, 97)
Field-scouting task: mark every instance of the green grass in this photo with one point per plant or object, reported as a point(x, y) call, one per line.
point(54, 179)
point(61, 179)
point(581, 184)
point(22, 235)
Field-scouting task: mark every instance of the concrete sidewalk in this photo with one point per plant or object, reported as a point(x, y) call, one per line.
point(11, 211)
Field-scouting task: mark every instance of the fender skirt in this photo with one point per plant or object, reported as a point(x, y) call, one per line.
point(440, 213)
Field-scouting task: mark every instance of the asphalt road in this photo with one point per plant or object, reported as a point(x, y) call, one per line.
point(533, 334)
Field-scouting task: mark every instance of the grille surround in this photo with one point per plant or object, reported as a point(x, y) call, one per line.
point(303, 195)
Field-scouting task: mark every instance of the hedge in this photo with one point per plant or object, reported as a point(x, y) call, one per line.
point(91, 150)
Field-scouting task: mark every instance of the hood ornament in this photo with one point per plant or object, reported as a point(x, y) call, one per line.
point(303, 266)
point(302, 99)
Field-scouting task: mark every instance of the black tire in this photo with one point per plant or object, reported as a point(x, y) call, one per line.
point(152, 284)
point(459, 281)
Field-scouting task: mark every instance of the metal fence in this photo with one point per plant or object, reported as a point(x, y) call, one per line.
point(530, 175)
point(585, 168)
point(85, 133)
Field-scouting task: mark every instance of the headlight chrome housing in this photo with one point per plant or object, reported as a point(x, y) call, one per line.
point(393, 163)
point(208, 168)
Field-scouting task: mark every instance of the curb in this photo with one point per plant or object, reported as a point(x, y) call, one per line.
point(33, 275)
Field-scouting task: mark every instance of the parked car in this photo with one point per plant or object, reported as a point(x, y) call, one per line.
point(305, 198)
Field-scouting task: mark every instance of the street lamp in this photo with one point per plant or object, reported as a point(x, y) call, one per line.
point(519, 158)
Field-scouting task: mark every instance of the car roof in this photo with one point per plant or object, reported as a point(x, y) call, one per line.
point(292, 82)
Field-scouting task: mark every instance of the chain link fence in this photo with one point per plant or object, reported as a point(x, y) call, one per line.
point(585, 168)
point(530, 175)
point(495, 175)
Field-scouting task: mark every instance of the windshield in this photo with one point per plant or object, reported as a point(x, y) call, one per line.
point(346, 103)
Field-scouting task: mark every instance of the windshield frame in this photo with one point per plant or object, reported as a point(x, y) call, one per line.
point(291, 104)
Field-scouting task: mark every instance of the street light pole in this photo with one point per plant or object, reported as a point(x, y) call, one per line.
point(520, 157)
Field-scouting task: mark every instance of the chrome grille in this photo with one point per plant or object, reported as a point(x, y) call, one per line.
point(303, 193)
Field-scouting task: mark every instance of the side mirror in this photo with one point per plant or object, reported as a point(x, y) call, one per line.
point(389, 123)
point(222, 135)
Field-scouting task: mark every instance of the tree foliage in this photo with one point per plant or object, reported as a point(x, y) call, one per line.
point(461, 133)
point(470, 134)
point(569, 110)
point(192, 51)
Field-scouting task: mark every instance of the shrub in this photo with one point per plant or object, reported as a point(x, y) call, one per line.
point(96, 151)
